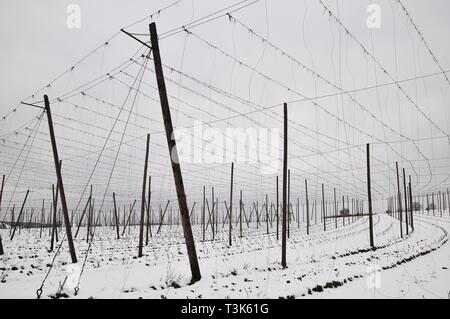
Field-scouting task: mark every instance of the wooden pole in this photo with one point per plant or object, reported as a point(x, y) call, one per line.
point(213, 217)
point(217, 215)
point(60, 181)
point(448, 201)
point(144, 188)
point(55, 210)
point(335, 209)
point(285, 155)
point(128, 221)
point(369, 197)
point(82, 215)
point(406, 202)
point(149, 212)
point(190, 243)
point(42, 218)
point(116, 217)
point(432, 202)
point(240, 213)
point(20, 215)
point(54, 201)
point(289, 204)
point(307, 207)
point(411, 205)
point(323, 210)
point(231, 205)
point(89, 217)
point(267, 214)
point(399, 202)
point(203, 213)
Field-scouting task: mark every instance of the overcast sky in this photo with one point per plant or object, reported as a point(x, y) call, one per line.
point(229, 86)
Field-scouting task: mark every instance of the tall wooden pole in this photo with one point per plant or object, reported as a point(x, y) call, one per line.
point(144, 188)
point(289, 204)
point(323, 210)
point(60, 181)
point(240, 213)
point(213, 221)
point(307, 207)
point(432, 202)
point(89, 216)
point(448, 201)
point(149, 211)
point(267, 214)
point(411, 205)
point(42, 219)
point(406, 202)
point(369, 197)
point(20, 215)
point(116, 217)
point(231, 205)
point(203, 213)
point(185, 220)
point(335, 208)
point(285, 204)
point(399, 202)
point(54, 230)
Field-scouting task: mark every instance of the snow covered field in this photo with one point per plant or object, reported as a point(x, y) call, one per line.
point(336, 263)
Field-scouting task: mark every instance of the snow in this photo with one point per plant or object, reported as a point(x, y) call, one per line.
point(336, 263)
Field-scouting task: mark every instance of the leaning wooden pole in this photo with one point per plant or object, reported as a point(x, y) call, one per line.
point(184, 212)
point(144, 188)
point(283, 225)
point(20, 215)
point(231, 206)
point(369, 197)
point(60, 181)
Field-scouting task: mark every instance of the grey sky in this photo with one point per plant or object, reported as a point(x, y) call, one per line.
point(37, 46)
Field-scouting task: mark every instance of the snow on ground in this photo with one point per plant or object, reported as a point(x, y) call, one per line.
point(336, 263)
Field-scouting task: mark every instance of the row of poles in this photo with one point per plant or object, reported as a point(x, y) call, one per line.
point(184, 213)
